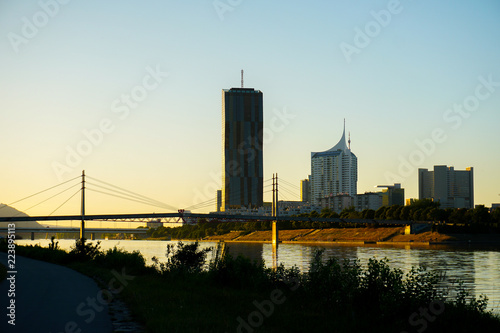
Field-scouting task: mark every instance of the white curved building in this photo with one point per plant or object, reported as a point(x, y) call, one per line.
point(334, 172)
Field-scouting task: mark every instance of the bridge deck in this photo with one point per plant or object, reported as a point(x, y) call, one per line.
point(107, 217)
point(77, 230)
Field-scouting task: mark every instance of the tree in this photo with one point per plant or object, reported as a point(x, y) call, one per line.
point(392, 212)
point(397, 213)
point(354, 215)
point(325, 212)
point(334, 215)
point(437, 215)
point(406, 213)
point(495, 215)
point(424, 203)
point(368, 214)
point(313, 214)
point(186, 257)
point(380, 213)
point(83, 251)
point(424, 216)
point(458, 216)
point(480, 215)
point(417, 213)
point(344, 214)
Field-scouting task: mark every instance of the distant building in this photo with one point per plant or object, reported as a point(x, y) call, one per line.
point(338, 202)
point(333, 172)
point(368, 200)
point(410, 201)
point(451, 188)
point(242, 138)
point(304, 190)
point(285, 208)
point(219, 200)
point(393, 195)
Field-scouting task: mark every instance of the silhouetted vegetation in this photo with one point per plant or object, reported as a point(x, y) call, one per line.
point(182, 258)
point(53, 245)
point(186, 293)
point(83, 251)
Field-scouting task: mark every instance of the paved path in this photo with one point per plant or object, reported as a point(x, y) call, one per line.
point(52, 299)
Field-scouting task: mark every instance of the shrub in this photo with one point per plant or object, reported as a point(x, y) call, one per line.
point(183, 258)
point(83, 251)
point(116, 258)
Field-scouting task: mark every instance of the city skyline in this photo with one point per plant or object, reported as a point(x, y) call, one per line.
point(134, 97)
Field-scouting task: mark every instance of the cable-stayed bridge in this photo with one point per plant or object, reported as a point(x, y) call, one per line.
point(178, 216)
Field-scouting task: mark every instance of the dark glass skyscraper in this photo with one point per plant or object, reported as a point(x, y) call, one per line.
point(242, 162)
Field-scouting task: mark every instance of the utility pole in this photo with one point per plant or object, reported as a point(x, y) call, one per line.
point(82, 224)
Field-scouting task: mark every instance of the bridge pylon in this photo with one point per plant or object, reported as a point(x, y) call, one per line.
point(82, 223)
point(275, 231)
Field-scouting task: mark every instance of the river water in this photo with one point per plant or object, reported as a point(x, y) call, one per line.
point(478, 267)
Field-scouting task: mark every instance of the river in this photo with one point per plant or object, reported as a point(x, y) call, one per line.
point(477, 266)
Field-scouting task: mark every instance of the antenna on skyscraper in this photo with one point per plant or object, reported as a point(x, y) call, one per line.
point(242, 78)
point(349, 141)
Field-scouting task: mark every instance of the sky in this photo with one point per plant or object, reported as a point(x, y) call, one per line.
point(130, 92)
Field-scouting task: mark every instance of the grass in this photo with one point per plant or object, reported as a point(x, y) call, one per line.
point(180, 296)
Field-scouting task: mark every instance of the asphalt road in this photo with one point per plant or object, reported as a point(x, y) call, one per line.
point(53, 299)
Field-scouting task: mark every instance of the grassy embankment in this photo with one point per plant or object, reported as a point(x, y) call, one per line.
point(232, 293)
point(388, 235)
point(342, 231)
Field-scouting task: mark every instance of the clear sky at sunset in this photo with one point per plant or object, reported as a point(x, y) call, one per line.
point(130, 91)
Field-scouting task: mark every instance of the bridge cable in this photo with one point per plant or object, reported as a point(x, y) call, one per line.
point(151, 202)
point(282, 188)
point(289, 184)
point(128, 191)
point(50, 188)
point(125, 198)
point(213, 201)
point(78, 191)
point(135, 194)
point(41, 202)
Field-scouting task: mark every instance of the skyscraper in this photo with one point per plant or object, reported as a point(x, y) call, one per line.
point(242, 137)
point(452, 188)
point(334, 172)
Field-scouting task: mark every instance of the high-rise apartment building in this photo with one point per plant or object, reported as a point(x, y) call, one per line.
point(242, 138)
point(452, 188)
point(334, 172)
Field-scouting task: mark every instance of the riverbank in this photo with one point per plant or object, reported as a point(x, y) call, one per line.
point(244, 296)
point(356, 236)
